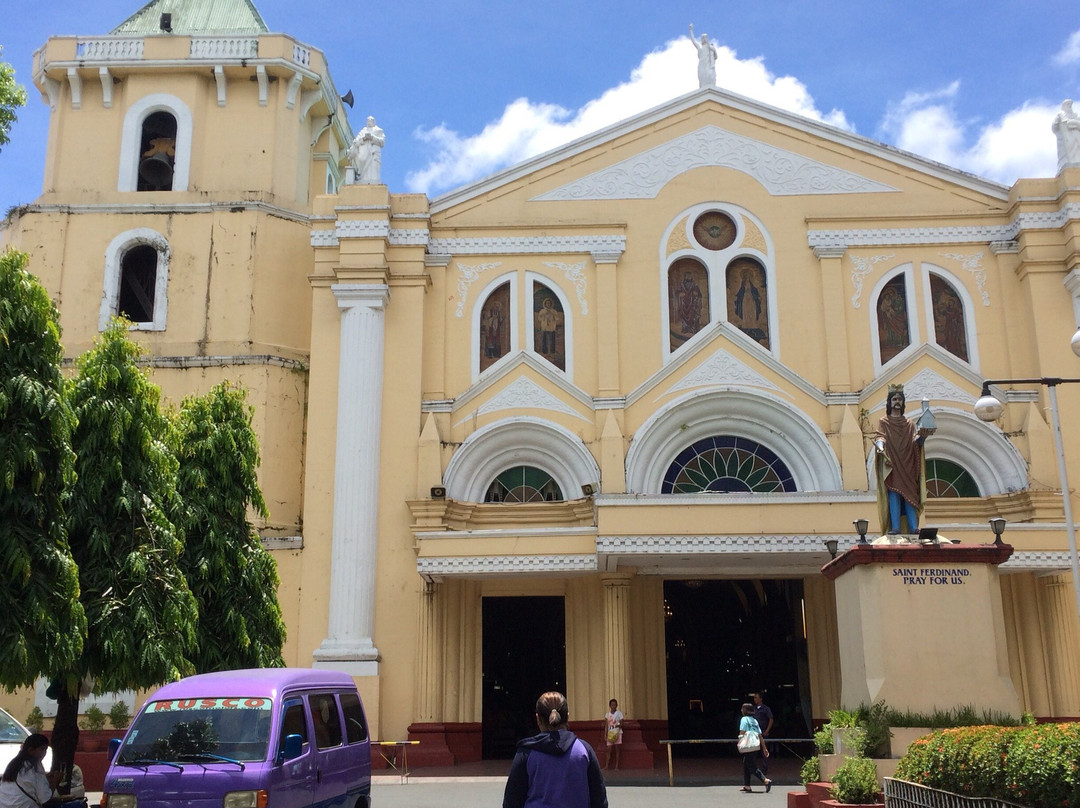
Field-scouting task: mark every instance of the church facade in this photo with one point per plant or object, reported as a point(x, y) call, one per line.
point(591, 423)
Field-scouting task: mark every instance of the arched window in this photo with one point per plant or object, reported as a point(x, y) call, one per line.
point(894, 334)
point(155, 145)
point(945, 478)
point(727, 464)
point(549, 325)
point(495, 333)
point(157, 152)
point(523, 484)
point(747, 301)
point(717, 266)
point(136, 280)
point(688, 300)
point(950, 328)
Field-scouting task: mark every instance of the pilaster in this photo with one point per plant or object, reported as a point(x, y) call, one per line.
point(607, 322)
point(349, 644)
point(835, 312)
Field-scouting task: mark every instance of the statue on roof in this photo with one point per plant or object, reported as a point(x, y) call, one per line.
point(365, 153)
point(706, 59)
point(1067, 128)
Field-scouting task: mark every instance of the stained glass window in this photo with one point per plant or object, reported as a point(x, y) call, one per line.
point(947, 479)
point(949, 326)
point(523, 484)
point(892, 319)
point(727, 464)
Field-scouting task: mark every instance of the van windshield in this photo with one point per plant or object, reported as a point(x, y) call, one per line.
point(199, 730)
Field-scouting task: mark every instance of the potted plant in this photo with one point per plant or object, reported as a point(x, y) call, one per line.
point(94, 718)
point(92, 739)
point(855, 784)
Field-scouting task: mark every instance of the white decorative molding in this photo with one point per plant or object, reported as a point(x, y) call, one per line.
point(528, 245)
point(523, 393)
point(576, 275)
point(932, 385)
point(114, 257)
point(781, 172)
point(720, 544)
point(264, 84)
point(864, 264)
point(723, 369)
point(509, 366)
point(409, 237)
point(131, 139)
point(362, 228)
point(501, 565)
point(973, 264)
point(516, 441)
point(714, 498)
point(109, 49)
point(301, 55)
point(469, 276)
point(967, 234)
point(224, 47)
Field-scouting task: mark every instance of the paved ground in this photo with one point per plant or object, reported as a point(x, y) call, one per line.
point(478, 793)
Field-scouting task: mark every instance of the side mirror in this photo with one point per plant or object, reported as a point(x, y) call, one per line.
point(292, 748)
point(114, 747)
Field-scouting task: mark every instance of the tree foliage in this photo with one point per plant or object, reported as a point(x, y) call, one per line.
point(141, 614)
point(43, 623)
point(12, 96)
point(234, 579)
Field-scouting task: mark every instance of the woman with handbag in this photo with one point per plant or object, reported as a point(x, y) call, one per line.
point(751, 748)
point(24, 783)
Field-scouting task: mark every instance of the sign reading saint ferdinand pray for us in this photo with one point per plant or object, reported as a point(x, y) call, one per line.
point(931, 576)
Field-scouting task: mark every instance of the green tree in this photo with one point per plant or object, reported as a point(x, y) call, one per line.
point(44, 624)
point(140, 612)
point(234, 579)
point(12, 96)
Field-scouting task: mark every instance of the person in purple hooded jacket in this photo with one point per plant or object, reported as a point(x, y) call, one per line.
point(554, 769)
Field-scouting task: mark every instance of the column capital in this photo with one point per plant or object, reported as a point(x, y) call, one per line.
point(369, 295)
point(830, 251)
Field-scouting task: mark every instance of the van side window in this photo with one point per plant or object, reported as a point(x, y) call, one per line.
point(293, 723)
point(327, 721)
point(355, 725)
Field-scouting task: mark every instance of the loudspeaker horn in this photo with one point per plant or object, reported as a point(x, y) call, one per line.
point(347, 99)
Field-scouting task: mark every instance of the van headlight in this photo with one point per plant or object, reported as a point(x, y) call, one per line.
point(238, 799)
point(119, 801)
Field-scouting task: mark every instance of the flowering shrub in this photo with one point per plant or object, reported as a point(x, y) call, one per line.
point(1037, 766)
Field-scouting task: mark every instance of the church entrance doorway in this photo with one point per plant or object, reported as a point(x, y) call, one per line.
point(725, 640)
point(524, 655)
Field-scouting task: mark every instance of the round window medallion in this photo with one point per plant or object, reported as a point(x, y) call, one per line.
point(714, 230)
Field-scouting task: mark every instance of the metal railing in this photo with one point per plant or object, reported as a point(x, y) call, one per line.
point(902, 794)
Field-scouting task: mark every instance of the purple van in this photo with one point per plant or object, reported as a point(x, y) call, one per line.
point(266, 738)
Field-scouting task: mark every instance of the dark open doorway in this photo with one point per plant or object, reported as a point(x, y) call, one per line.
point(726, 639)
point(524, 655)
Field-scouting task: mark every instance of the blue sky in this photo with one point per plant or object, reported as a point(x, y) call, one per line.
point(466, 88)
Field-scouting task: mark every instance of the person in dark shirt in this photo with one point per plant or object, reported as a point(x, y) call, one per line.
point(764, 717)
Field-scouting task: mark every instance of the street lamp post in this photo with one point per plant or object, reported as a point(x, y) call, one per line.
point(989, 408)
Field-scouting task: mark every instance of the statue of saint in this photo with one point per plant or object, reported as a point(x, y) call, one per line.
point(1066, 126)
point(901, 477)
point(365, 153)
point(706, 60)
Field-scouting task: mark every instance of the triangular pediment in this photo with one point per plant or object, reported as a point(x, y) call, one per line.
point(517, 385)
point(780, 171)
point(786, 153)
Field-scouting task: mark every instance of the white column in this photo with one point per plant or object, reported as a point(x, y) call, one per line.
point(349, 645)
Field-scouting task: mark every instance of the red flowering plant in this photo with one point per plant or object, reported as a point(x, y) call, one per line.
point(1036, 766)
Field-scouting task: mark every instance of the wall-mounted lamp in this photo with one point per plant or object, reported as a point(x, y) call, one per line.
point(997, 524)
point(831, 545)
point(860, 527)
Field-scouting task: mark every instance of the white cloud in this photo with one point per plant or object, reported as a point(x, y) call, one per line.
point(1019, 144)
point(1070, 52)
point(526, 129)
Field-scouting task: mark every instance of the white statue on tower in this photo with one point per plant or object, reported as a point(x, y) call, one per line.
point(365, 153)
point(1067, 128)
